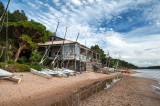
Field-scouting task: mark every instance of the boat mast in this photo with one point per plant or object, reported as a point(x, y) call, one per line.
point(118, 61)
point(47, 49)
point(6, 48)
point(55, 31)
point(53, 62)
point(63, 46)
point(76, 41)
point(3, 16)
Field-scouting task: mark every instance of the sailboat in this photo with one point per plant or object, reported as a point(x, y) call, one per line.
point(48, 73)
point(108, 69)
point(63, 71)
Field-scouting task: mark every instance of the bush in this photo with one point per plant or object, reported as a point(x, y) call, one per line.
point(2, 65)
point(22, 60)
point(35, 57)
point(36, 67)
point(18, 68)
point(10, 61)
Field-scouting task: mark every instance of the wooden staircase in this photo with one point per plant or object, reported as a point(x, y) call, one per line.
point(92, 66)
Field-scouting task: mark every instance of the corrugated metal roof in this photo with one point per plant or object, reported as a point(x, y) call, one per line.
point(56, 43)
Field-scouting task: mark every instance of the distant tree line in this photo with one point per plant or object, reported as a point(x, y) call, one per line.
point(15, 16)
point(112, 62)
point(151, 67)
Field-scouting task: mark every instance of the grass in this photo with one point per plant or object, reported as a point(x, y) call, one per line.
point(17, 67)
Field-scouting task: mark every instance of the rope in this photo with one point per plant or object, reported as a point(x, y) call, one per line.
point(45, 54)
point(2, 16)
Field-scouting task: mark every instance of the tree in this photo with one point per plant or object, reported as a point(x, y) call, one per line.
point(97, 49)
point(1, 9)
point(2, 48)
point(27, 34)
point(17, 16)
point(122, 63)
point(35, 56)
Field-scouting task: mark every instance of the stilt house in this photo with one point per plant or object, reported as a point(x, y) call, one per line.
point(74, 55)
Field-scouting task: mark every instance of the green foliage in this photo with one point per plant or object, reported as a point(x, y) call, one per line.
point(1, 9)
point(22, 60)
point(10, 41)
point(10, 53)
point(27, 39)
point(15, 16)
point(35, 30)
point(36, 67)
point(24, 68)
point(97, 49)
point(16, 67)
point(122, 64)
point(35, 57)
point(2, 65)
point(10, 61)
point(3, 43)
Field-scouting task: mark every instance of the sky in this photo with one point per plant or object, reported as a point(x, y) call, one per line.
point(130, 28)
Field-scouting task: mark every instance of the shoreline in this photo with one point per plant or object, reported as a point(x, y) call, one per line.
point(129, 91)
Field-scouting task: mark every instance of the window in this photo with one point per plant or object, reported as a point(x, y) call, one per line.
point(55, 53)
point(50, 39)
point(50, 54)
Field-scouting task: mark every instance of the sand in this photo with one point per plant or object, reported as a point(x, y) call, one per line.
point(35, 90)
point(129, 91)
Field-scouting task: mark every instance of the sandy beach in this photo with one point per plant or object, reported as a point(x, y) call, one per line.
point(35, 90)
point(129, 91)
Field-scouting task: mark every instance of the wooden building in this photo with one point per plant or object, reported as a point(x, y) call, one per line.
point(72, 54)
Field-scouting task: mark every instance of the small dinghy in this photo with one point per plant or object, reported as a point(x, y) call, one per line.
point(8, 75)
point(41, 73)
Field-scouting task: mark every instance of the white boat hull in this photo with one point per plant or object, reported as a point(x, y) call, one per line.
point(4, 73)
point(41, 73)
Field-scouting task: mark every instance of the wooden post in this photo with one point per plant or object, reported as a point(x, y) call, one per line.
point(80, 65)
point(75, 57)
point(61, 102)
point(78, 99)
point(96, 56)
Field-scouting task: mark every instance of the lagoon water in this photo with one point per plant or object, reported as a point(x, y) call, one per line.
point(149, 73)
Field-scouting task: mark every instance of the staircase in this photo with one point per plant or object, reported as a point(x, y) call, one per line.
point(92, 66)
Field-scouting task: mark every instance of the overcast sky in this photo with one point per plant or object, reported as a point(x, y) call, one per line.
point(130, 28)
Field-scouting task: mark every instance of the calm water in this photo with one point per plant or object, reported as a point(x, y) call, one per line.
point(149, 73)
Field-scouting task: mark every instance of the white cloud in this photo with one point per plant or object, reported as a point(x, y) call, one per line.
point(77, 16)
point(90, 1)
point(40, 2)
point(77, 2)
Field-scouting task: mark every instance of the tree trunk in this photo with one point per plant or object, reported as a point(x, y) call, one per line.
point(21, 46)
point(1, 53)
